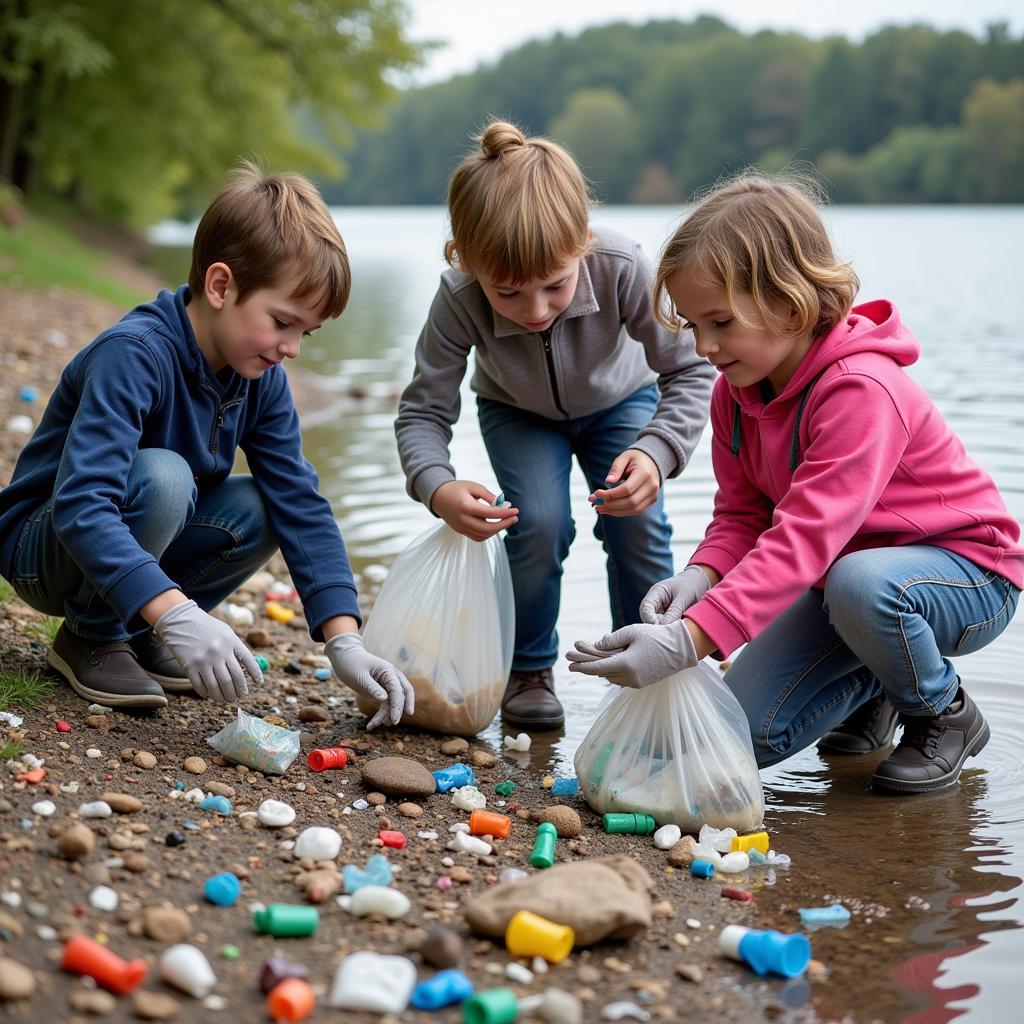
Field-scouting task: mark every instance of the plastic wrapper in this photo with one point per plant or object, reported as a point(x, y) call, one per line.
point(257, 744)
point(678, 750)
point(445, 616)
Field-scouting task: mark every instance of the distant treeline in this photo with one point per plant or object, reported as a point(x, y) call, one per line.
point(655, 112)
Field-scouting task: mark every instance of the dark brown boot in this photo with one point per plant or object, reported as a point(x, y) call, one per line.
point(933, 750)
point(871, 727)
point(530, 701)
point(157, 660)
point(106, 673)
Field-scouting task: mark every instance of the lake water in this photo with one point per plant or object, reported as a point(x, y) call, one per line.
point(938, 878)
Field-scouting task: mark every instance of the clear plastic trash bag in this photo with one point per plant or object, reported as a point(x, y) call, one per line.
point(257, 744)
point(678, 750)
point(445, 616)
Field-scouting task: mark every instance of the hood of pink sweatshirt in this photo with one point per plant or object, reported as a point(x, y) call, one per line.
point(853, 454)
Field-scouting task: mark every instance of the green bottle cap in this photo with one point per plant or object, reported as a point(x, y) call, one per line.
point(494, 1006)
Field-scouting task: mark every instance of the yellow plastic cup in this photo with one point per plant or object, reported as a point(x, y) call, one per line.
point(755, 841)
point(529, 935)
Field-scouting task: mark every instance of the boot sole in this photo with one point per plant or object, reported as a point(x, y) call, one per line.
point(972, 748)
point(176, 684)
point(537, 724)
point(112, 700)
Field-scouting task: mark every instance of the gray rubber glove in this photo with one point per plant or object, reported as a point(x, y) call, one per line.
point(213, 657)
point(637, 655)
point(371, 676)
point(666, 601)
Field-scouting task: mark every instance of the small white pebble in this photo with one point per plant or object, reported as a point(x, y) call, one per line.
point(301, 786)
point(46, 933)
point(447, 862)
point(346, 810)
point(667, 836)
point(103, 898)
point(215, 1002)
point(288, 844)
point(519, 973)
point(44, 808)
point(93, 752)
point(616, 1011)
point(692, 922)
point(360, 805)
point(12, 899)
point(539, 965)
point(291, 700)
point(427, 835)
point(69, 787)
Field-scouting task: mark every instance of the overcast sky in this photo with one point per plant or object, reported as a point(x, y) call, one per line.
point(478, 31)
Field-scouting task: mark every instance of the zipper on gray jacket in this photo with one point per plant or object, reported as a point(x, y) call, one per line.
point(545, 337)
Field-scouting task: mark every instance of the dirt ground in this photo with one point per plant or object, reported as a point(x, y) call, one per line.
point(45, 897)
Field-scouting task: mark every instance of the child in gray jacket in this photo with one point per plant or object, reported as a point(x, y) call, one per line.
point(570, 361)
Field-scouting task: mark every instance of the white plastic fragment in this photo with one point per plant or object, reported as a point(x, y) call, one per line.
point(318, 843)
point(667, 836)
point(616, 1011)
point(236, 614)
point(379, 899)
point(539, 965)
point(186, 968)
point(275, 813)
point(520, 742)
point(429, 835)
point(735, 862)
point(459, 826)
point(11, 719)
point(469, 798)
point(95, 809)
point(370, 981)
point(463, 843)
point(518, 973)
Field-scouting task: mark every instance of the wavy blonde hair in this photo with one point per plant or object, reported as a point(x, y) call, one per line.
point(267, 227)
point(761, 234)
point(519, 208)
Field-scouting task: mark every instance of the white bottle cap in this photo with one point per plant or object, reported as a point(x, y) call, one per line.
point(729, 939)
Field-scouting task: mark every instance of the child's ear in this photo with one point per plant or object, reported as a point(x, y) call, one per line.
point(215, 288)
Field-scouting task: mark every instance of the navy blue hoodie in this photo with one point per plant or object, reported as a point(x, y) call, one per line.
point(144, 383)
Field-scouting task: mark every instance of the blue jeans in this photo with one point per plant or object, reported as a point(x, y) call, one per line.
point(532, 459)
point(887, 622)
point(208, 542)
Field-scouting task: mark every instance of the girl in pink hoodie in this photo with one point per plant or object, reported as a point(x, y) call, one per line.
point(855, 546)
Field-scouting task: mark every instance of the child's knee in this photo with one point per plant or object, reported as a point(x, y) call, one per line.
point(163, 479)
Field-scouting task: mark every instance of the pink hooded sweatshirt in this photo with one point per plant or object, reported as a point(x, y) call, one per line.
point(852, 455)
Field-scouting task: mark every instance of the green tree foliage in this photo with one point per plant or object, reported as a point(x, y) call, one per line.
point(657, 111)
point(130, 104)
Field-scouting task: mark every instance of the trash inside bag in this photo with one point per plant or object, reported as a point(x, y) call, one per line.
point(445, 616)
point(257, 744)
point(679, 750)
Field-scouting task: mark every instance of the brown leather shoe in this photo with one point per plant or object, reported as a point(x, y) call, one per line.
point(106, 673)
point(871, 727)
point(530, 701)
point(933, 750)
point(157, 660)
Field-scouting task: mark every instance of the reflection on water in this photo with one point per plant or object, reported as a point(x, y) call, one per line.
point(934, 881)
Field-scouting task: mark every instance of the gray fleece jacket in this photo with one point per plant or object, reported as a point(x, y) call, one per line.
point(603, 347)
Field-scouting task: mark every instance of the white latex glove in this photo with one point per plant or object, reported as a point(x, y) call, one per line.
point(637, 655)
point(666, 601)
point(213, 657)
point(371, 676)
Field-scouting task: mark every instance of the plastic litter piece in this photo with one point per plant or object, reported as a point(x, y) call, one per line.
point(378, 872)
point(371, 981)
point(276, 969)
point(766, 952)
point(275, 813)
point(755, 841)
point(285, 919)
point(734, 892)
point(834, 913)
point(186, 968)
point(543, 854)
point(444, 989)
point(565, 787)
point(453, 777)
point(520, 743)
point(223, 889)
point(463, 843)
point(257, 744)
point(263, 662)
point(395, 840)
point(619, 1010)
point(327, 757)
point(83, 955)
point(492, 1006)
point(218, 804)
point(702, 869)
point(469, 798)
point(318, 842)
point(506, 788)
point(528, 934)
point(379, 899)
point(291, 1000)
point(278, 612)
point(757, 858)
point(484, 823)
point(629, 824)
point(733, 863)
point(667, 836)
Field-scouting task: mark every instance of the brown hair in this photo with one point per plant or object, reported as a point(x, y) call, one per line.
point(266, 227)
point(518, 208)
point(762, 234)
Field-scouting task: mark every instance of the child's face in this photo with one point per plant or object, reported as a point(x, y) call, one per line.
point(262, 330)
point(534, 304)
point(745, 355)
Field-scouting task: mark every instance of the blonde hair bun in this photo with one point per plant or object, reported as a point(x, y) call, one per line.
point(498, 137)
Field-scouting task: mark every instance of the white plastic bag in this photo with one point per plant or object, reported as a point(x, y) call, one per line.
point(679, 750)
point(445, 616)
point(259, 745)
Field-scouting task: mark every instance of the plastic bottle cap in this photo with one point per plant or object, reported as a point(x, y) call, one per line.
point(729, 939)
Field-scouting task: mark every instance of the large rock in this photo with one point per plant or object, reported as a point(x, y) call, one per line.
point(16, 980)
point(605, 898)
point(398, 775)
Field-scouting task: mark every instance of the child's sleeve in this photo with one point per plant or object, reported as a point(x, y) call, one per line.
point(430, 404)
point(118, 386)
point(684, 378)
point(300, 515)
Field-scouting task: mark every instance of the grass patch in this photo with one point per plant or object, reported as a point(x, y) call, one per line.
point(22, 690)
point(11, 749)
point(7, 593)
point(40, 253)
point(45, 630)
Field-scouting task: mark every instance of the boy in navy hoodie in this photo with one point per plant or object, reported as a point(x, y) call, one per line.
point(122, 515)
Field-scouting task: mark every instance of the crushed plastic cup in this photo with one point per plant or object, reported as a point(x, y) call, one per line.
point(371, 981)
point(328, 757)
point(528, 935)
point(86, 956)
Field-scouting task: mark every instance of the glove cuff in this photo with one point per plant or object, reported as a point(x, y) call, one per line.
point(173, 615)
point(344, 642)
